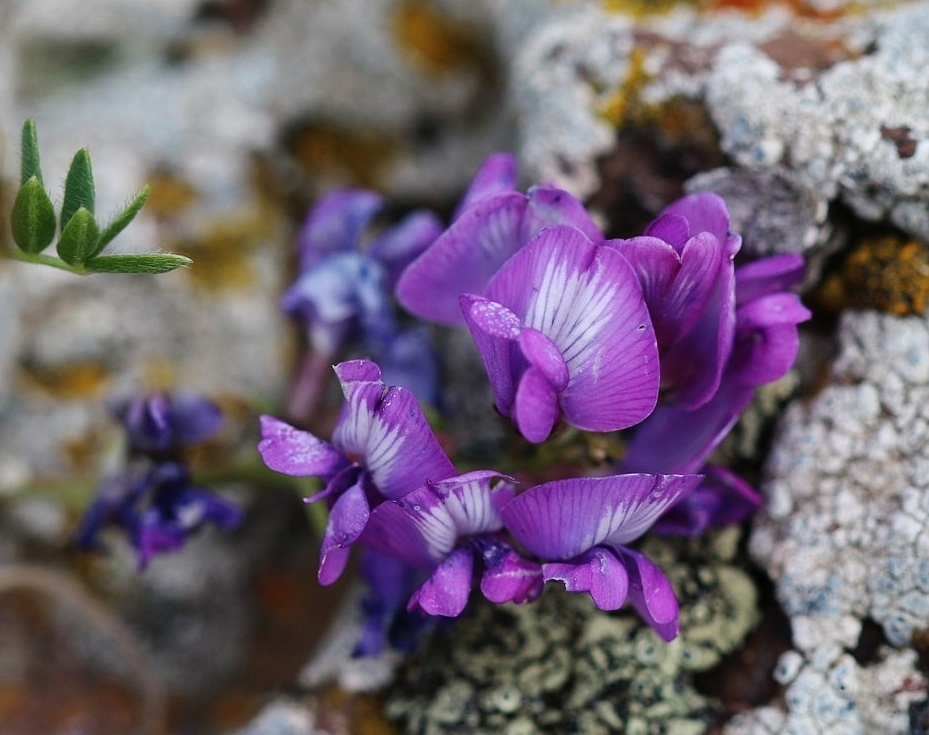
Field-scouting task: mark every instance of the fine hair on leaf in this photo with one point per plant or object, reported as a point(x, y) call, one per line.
point(29, 147)
point(122, 220)
point(141, 263)
point(79, 187)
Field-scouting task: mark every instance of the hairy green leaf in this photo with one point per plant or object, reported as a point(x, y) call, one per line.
point(33, 217)
point(122, 220)
point(79, 238)
point(143, 263)
point(79, 188)
point(30, 153)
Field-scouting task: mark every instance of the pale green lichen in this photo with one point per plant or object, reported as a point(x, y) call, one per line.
point(562, 666)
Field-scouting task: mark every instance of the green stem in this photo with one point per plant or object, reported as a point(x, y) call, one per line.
point(41, 259)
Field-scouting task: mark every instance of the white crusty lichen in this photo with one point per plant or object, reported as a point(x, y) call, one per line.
point(854, 130)
point(845, 532)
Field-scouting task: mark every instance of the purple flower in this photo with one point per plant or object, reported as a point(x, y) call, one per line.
point(342, 292)
point(444, 527)
point(162, 423)
point(385, 617)
point(382, 448)
point(721, 499)
point(581, 528)
point(564, 332)
point(685, 264)
point(158, 508)
point(765, 345)
point(408, 359)
point(493, 222)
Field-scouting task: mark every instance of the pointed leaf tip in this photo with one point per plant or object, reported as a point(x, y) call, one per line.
point(33, 218)
point(140, 264)
point(29, 147)
point(79, 188)
point(122, 220)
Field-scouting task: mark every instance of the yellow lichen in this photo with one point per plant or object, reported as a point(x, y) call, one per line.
point(80, 379)
point(222, 254)
point(622, 104)
point(433, 41)
point(350, 156)
point(889, 273)
point(168, 194)
point(641, 8)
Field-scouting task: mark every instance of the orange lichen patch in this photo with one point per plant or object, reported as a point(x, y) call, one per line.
point(360, 714)
point(888, 273)
point(642, 8)
point(433, 41)
point(687, 122)
point(169, 194)
point(222, 254)
point(83, 452)
point(351, 156)
point(82, 379)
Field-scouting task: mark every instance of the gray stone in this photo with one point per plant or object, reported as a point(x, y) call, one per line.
point(843, 533)
point(852, 131)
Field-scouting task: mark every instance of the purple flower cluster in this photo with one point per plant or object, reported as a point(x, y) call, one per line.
point(343, 293)
point(153, 499)
point(661, 334)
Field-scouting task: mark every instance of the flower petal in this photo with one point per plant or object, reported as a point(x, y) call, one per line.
point(390, 583)
point(674, 439)
point(418, 542)
point(671, 228)
point(463, 258)
point(767, 276)
point(385, 428)
point(193, 418)
point(406, 241)
point(347, 521)
point(565, 518)
point(408, 359)
point(694, 364)
point(544, 355)
point(587, 300)
point(722, 499)
point(495, 330)
point(343, 294)
point(549, 205)
point(293, 452)
point(446, 590)
point(535, 409)
point(704, 212)
point(335, 224)
point(598, 572)
point(496, 174)
point(767, 341)
point(472, 500)
point(651, 594)
point(508, 576)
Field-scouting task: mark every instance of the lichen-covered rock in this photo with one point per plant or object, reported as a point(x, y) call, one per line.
point(561, 666)
point(843, 534)
point(852, 130)
point(837, 696)
point(776, 212)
